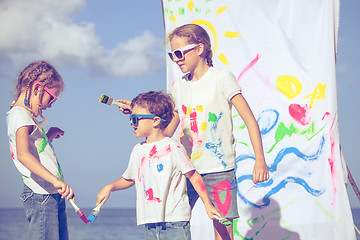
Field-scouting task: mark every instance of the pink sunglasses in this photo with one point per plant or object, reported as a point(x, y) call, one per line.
point(53, 97)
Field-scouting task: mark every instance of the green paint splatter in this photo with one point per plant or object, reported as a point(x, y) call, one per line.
point(212, 117)
point(282, 131)
point(40, 147)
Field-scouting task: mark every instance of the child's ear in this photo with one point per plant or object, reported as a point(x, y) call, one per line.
point(200, 49)
point(156, 122)
point(36, 88)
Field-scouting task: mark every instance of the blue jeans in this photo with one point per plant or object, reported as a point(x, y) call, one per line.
point(168, 231)
point(46, 215)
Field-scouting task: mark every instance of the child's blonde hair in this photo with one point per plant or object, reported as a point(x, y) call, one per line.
point(195, 35)
point(42, 72)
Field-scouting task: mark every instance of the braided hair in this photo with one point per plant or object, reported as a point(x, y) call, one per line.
point(42, 72)
point(195, 34)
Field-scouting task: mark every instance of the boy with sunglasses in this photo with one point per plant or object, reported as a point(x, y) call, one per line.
point(157, 167)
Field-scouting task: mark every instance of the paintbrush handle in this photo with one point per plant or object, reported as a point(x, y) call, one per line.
point(74, 205)
point(97, 208)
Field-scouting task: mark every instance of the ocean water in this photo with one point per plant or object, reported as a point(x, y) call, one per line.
point(119, 224)
point(110, 224)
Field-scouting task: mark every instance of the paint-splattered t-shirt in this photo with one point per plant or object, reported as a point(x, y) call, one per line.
point(158, 171)
point(39, 146)
point(204, 108)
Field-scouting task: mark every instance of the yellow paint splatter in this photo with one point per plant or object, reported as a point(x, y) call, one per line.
point(173, 19)
point(223, 59)
point(203, 126)
point(195, 156)
point(211, 28)
point(199, 108)
point(229, 34)
point(318, 94)
point(190, 5)
point(220, 10)
point(290, 86)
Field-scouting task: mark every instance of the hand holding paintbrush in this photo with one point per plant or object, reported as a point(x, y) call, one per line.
point(124, 105)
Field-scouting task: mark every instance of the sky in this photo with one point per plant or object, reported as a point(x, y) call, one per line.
point(117, 48)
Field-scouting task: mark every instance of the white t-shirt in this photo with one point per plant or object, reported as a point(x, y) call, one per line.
point(39, 146)
point(158, 171)
point(204, 108)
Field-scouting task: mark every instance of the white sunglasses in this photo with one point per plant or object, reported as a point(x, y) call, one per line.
point(179, 53)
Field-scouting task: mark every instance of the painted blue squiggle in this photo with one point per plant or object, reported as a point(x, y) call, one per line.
point(280, 156)
point(282, 153)
point(276, 189)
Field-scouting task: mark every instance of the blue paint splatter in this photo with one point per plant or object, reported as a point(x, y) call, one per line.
point(160, 167)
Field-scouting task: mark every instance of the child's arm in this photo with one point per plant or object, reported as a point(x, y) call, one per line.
point(34, 165)
point(54, 132)
point(119, 184)
point(199, 186)
point(171, 128)
point(260, 172)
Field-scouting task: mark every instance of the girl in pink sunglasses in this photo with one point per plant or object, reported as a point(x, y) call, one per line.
point(38, 86)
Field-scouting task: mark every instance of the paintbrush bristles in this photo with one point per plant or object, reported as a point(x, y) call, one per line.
point(105, 99)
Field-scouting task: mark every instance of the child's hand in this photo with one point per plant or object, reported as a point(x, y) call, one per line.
point(103, 195)
point(260, 172)
point(125, 108)
point(64, 189)
point(54, 132)
point(211, 210)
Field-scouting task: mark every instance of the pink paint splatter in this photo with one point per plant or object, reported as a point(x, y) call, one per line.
point(248, 67)
point(11, 151)
point(222, 206)
point(157, 154)
point(150, 196)
point(201, 185)
point(332, 159)
point(301, 114)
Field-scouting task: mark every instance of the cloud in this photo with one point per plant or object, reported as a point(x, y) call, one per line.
point(45, 29)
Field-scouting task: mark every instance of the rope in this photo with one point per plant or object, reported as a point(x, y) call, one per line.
point(353, 184)
point(356, 190)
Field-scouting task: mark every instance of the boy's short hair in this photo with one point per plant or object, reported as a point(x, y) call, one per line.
point(157, 103)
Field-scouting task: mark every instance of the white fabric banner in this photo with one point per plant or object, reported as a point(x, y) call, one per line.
point(283, 54)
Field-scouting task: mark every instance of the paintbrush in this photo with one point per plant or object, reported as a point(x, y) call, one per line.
point(78, 211)
point(94, 213)
point(223, 221)
point(110, 101)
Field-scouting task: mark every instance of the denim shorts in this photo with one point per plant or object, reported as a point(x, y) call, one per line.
point(46, 215)
point(222, 190)
point(168, 231)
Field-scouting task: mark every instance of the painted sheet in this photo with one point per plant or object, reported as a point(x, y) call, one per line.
point(283, 54)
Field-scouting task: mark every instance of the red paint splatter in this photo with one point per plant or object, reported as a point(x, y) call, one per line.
point(301, 114)
point(11, 151)
point(201, 185)
point(222, 206)
point(248, 67)
point(150, 196)
point(332, 159)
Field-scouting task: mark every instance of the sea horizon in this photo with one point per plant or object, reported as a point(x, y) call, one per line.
point(111, 223)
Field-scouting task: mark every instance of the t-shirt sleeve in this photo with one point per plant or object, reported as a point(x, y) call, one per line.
point(130, 171)
point(20, 118)
point(228, 85)
point(183, 163)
